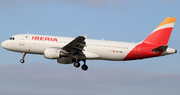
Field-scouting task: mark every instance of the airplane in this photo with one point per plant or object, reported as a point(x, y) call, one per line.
point(68, 50)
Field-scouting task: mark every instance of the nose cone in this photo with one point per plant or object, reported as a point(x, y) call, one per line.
point(4, 44)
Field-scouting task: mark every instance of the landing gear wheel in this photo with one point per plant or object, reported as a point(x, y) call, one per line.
point(76, 64)
point(84, 67)
point(22, 60)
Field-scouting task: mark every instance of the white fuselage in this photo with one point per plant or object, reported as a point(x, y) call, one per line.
point(106, 50)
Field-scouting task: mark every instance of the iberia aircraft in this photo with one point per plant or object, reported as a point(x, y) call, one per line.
point(73, 50)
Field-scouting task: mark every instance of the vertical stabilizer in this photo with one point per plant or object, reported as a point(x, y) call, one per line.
point(160, 36)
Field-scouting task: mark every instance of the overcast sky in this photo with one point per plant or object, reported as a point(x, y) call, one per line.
point(118, 20)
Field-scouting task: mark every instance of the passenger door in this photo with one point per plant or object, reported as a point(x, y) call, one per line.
point(22, 40)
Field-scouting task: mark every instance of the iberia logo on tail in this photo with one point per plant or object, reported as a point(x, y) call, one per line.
point(160, 36)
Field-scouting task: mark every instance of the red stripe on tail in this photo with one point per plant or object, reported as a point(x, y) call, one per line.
point(159, 37)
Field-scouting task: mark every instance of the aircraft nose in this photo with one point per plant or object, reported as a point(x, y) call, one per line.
point(3, 44)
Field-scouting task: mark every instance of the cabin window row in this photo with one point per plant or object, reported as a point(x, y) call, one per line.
point(93, 45)
point(107, 46)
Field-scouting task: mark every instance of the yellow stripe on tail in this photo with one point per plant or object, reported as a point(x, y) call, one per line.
point(167, 21)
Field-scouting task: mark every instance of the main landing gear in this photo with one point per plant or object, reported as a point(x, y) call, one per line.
point(77, 64)
point(22, 60)
point(84, 66)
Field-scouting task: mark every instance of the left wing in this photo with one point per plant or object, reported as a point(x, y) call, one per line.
point(77, 45)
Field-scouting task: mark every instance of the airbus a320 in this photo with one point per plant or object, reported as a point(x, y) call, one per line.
point(68, 50)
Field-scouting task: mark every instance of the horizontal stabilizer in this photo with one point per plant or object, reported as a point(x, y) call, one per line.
point(161, 48)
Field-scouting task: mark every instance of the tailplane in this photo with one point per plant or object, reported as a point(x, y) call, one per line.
point(160, 48)
point(160, 36)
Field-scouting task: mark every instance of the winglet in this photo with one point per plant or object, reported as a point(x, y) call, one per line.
point(85, 36)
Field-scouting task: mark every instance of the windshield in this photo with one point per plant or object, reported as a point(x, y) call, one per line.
point(12, 38)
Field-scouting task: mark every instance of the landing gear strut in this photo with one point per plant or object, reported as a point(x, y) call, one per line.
point(22, 60)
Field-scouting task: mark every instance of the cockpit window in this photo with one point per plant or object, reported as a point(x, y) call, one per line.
point(12, 38)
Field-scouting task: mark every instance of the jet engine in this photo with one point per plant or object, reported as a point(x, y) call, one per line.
point(54, 53)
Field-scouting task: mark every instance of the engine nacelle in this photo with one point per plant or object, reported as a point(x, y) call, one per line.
point(53, 53)
point(65, 60)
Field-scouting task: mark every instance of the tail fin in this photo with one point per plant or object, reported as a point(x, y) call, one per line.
point(160, 36)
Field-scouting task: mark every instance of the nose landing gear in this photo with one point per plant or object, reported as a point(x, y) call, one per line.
point(22, 60)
